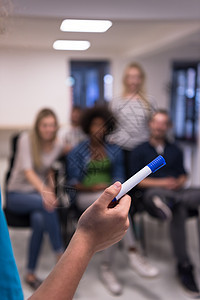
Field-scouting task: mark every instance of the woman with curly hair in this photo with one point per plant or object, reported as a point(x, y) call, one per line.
point(94, 163)
point(92, 166)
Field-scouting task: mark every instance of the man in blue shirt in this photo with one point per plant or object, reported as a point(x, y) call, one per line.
point(10, 286)
point(164, 195)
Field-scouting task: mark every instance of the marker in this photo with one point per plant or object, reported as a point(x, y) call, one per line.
point(152, 167)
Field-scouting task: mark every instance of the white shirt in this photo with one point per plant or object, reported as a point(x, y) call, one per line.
point(132, 122)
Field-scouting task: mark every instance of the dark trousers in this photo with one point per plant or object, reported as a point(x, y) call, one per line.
point(181, 203)
point(127, 163)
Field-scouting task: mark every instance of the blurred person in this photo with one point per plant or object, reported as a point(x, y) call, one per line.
point(73, 135)
point(30, 187)
point(92, 166)
point(99, 227)
point(132, 111)
point(164, 193)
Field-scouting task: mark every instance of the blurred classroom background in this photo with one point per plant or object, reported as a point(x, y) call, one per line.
point(164, 37)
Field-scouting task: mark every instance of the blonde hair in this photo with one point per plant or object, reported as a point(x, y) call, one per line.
point(35, 135)
point(142, 90)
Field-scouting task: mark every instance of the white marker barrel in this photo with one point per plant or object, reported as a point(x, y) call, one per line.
point(133, 181)
point(152, 167)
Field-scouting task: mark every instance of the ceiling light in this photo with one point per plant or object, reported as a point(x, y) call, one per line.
point(73, 25)
point(71, 45)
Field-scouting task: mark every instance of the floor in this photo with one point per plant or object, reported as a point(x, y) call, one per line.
point(159, 251)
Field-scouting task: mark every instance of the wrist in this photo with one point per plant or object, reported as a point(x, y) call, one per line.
point(84, 242)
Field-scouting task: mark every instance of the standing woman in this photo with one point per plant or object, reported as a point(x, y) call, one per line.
point(30, 187)
point(132, 111)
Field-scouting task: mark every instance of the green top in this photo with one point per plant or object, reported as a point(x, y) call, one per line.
point(98, 171)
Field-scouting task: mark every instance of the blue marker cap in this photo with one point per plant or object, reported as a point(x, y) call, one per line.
point(157, 163)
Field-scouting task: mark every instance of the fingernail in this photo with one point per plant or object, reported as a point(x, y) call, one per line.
point(117, 185)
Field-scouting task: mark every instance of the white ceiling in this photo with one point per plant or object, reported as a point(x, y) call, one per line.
point(139, 27)
point(114, 9)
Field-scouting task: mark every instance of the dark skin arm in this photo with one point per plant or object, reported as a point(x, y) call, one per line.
point(98, 228)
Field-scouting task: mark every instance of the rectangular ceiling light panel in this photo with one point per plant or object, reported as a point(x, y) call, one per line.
point(72, 25)
point(71, 45)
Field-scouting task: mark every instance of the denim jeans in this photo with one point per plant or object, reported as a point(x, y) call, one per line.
point(41, 220)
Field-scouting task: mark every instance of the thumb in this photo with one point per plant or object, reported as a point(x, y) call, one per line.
point(110, 193)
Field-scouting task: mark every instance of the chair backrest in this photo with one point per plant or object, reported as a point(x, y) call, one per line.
point(14, 220)
point(14, 141)
point(65, 193)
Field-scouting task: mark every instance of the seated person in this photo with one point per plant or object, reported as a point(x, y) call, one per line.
point(30, 189)
point(92, 166)
point(164, 196)
point(73, 135)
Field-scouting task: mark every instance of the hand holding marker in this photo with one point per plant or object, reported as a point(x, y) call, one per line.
point(152, 167)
